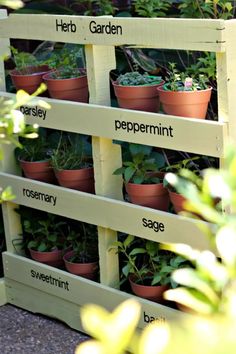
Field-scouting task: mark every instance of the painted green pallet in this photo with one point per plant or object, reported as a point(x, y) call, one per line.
point(39, 288)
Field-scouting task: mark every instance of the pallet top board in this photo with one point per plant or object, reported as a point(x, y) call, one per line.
point(168, 33)
point(109, 213)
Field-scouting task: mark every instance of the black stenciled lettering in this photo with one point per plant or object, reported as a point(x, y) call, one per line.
point(155, 225)
point(95, 27)
point(34, 112)
point(65, 27)
point(134, 128)
point(57, 282)
point(148, 319)
point(47, 198)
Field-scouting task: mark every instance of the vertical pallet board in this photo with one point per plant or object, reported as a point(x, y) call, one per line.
point(106, 155)
point(226, 86)
point(4, 50)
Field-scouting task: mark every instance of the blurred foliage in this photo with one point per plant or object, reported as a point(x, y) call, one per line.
point(208, 289)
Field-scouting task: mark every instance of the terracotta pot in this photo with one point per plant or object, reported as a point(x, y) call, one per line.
point(53, 258)
point(85, 270)
point(149, 292)
point(38, 170)
point(150, 195)
point(31, 80)
point(82, 180)
point(177, 200)
point(141, 98)
point(73, 89)
point(191, 104)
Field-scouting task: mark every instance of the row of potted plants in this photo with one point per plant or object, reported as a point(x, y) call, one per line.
point(64, 79)
point(73, 246)
point(179, 94)
point(144, 170)
point(65, 158)
point(60, 242)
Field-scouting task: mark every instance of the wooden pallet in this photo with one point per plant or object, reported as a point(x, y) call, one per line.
point(27, 282)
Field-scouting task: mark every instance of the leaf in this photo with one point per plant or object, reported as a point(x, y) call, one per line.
point(129, 172)
point(7, 194)
point(149, 344)
point(119, 171)
point(190, 277)
point(129, 239)
point(42, 247)
point(127, 269)
point(136, 251)
point(190, 299)
point(156, 279)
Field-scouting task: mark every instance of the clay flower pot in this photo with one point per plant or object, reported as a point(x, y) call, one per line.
point(85, 270)
point(177, 200)
point(191, 104)
point(141, 98)
point(29, 79)
point(82, 179)
point(38, 170)
point(53, 258)
point(73, 89)
point(150, 195)
point(149, 292)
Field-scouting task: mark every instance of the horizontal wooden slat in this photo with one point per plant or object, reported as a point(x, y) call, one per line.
point(74, 289)
point(170, 132)
point(105, 212)
point(189, 34)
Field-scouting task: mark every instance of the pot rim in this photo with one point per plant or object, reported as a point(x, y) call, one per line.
point(114, 83)
point(183, 92)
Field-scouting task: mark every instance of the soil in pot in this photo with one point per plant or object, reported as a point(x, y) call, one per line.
point(82, 179)
point(53, 258)
point(86, 270)
point(150, 195)
point(38, 170)
point(30, 79)
point(73, 89)
point(141, 98)
point(191, 104)
point(149, 292)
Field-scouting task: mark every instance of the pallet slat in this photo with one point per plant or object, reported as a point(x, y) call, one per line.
point(106, 212)
point(51, 281)
point(205, 35)
point(203, 136)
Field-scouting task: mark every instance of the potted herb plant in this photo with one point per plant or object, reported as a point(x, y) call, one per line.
point(72, 162)
point(82, 259)
point(138, 91)
point(142, 177)
point(147, 267)
point(190, 162)
point(185, 96)
point(67, 81)
point(28, 72)
point(48, 241)
point(35, 158)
